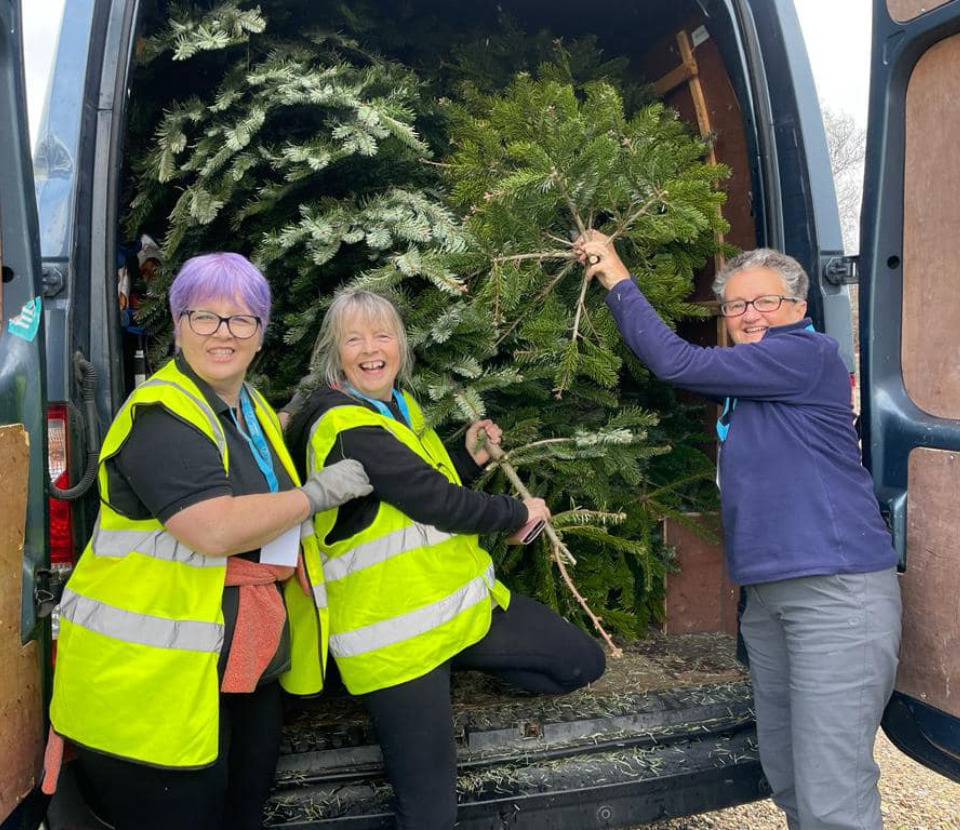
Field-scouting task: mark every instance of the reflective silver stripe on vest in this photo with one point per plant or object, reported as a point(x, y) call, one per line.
point(320, 595)
point(142, 629)
point(367, 554)
point(159, 544)
point(405, 626)
point(204, 407)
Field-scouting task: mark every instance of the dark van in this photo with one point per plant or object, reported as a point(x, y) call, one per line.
point(669, 732)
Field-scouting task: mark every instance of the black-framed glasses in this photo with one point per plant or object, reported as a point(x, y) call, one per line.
point(764, 303)
point(205, 323)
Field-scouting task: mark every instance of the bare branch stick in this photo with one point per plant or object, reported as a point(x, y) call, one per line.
point(561, 554)
point(499, 456)
point(435, 163)
point(580, 308)
point(537, 255)
point(559, 239)
point(615, 652)
point(633, 217)
point(571, 205)
point(540, 443)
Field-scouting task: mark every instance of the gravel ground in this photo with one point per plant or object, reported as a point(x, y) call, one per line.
point(914, 798)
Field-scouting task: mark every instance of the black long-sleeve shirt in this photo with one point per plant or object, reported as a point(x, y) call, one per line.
point(402, 478)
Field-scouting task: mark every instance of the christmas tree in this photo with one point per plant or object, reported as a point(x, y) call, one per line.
point(305, 149)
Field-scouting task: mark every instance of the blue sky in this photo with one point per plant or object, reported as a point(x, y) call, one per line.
point(837, 33)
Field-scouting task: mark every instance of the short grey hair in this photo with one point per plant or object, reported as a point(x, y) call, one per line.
point(371, 308)
point(795, 279)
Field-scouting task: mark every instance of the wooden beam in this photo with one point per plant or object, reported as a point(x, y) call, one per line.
point(685, 46)
point(674, 78)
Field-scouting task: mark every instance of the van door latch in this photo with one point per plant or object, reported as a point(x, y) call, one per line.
point(841, 270)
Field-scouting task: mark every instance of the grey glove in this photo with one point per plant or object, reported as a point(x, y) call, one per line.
point(336, 484)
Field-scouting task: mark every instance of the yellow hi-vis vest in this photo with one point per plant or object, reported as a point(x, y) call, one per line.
point(404, 597)
point(141, 621)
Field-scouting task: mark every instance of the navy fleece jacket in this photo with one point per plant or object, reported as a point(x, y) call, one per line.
point(795, 499)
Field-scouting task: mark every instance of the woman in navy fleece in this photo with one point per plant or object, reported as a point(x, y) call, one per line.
point(802, 528)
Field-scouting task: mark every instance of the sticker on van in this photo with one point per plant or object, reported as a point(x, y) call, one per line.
point(27, 322)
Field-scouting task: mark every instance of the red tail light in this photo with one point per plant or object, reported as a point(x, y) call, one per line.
point(58, 455)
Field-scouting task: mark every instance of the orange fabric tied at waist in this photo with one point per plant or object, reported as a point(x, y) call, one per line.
point(260, 618)
point(52, 761)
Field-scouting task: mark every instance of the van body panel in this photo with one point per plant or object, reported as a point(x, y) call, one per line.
point(78, 169)
point(23, 502)
point(22, 355)
point(58, 171)
point(910, 344)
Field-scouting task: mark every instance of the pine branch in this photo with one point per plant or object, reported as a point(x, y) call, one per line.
point(536, 301)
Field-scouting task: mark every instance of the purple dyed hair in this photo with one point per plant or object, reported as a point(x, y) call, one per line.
point(220, 275)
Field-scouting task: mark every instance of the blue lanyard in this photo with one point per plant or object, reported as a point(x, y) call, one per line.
point(255, 439)
point(382, 408)
point(723, 427)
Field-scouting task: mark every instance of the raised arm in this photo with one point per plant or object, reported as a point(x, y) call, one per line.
point(773, 369)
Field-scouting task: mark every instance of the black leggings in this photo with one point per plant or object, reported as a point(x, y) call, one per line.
point(528, 645)
point(229, 795)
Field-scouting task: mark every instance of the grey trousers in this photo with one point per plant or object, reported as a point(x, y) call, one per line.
point(823, 658)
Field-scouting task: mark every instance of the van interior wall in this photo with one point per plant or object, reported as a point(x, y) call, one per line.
point(930, 326)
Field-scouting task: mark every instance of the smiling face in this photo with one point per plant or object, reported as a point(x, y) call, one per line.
point(220, 359)
point(370, 355)
point(751, 326)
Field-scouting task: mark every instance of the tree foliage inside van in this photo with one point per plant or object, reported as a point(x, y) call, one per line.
point(452, 168)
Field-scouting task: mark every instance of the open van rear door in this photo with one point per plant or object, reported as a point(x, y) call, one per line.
point(910, 354)
point(22, 443)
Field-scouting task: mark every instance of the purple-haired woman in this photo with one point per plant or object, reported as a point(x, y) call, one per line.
point(194, 599)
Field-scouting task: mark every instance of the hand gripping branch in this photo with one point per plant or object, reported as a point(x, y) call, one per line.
point(561, 553)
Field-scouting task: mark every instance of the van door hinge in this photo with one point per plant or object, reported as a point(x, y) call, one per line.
point(841, 270)
point(54, 280)
point(48, 588)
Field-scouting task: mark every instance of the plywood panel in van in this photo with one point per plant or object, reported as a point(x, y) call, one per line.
point(930, 654)
point(904, 10)
point(21, 721)
point(930, 349)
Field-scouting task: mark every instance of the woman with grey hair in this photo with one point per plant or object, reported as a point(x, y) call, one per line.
point(802, 529)
point(410, 591)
